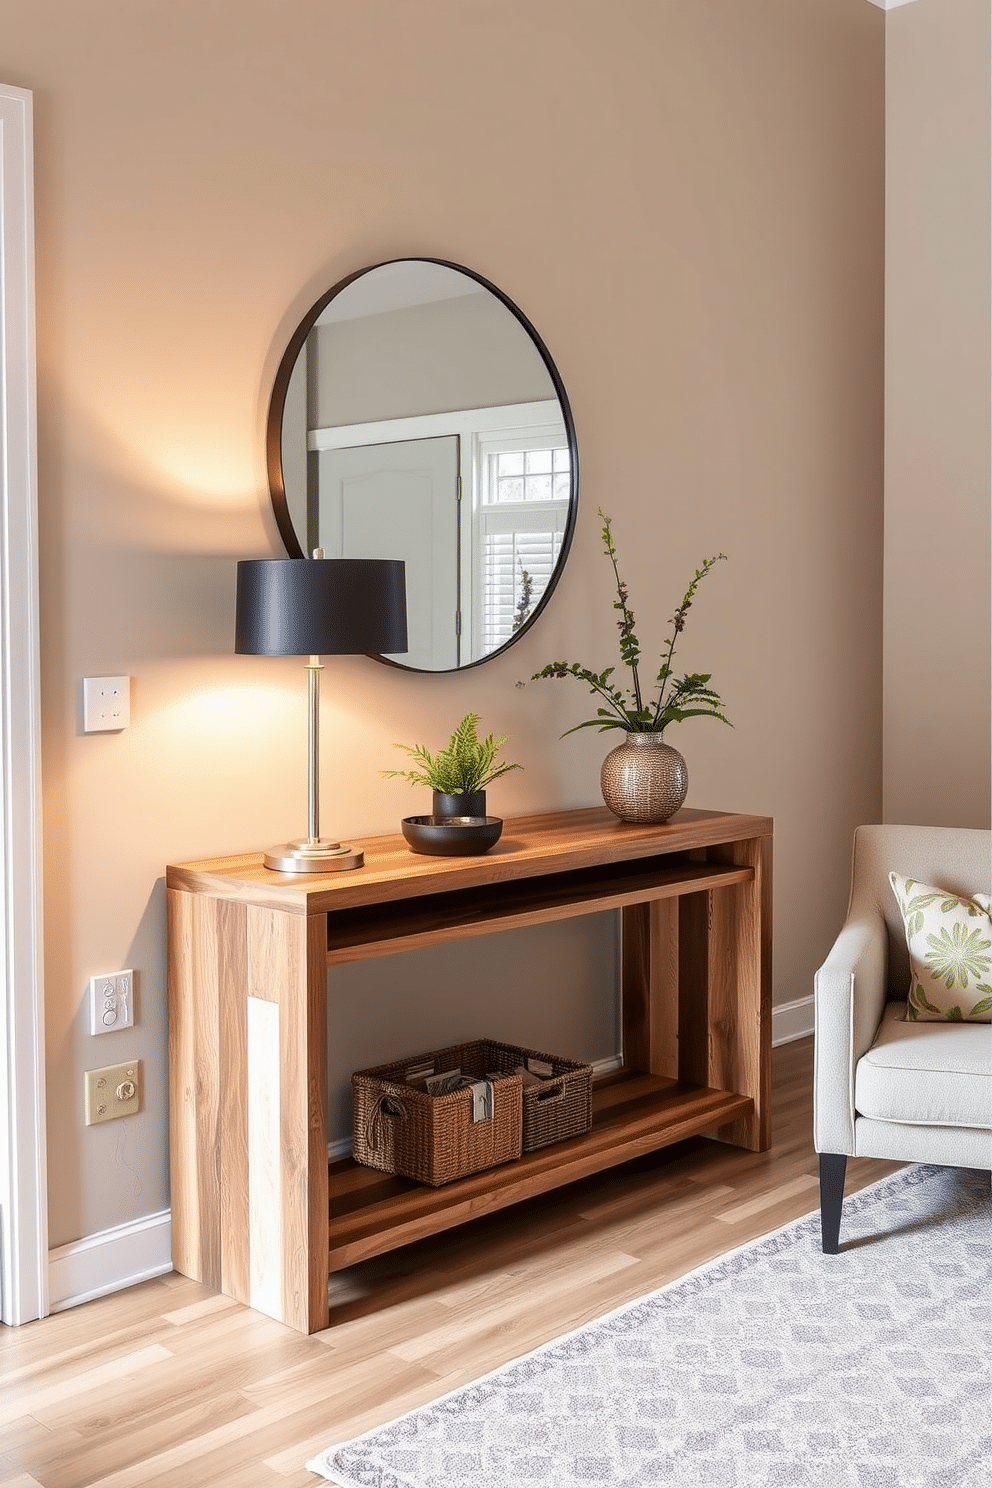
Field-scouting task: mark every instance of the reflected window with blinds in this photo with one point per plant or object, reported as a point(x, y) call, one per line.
point(521, 519)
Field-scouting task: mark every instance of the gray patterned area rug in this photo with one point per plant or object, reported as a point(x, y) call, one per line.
point(776, 1365)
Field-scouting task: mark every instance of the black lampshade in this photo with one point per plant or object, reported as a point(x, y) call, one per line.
point(320, 606)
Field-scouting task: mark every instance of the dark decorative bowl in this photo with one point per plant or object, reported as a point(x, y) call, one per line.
point(451, 836)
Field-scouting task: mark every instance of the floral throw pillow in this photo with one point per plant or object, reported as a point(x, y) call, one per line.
point(950, 953)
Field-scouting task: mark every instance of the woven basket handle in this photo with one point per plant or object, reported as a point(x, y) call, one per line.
point(386, 1106)
point(553, 1091)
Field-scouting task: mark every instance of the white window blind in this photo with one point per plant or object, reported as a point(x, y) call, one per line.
point(521, 520)
point(517, 567)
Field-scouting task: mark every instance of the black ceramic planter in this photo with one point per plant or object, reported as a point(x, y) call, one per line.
point(473, 804)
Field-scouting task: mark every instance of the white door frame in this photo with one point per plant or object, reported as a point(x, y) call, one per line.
point(23, 1167)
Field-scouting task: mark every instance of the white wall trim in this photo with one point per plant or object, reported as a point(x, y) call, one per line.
point(465, 421)
point(110, 1261)
point(792, 1020)
point(889, 4)
point(23, 1169)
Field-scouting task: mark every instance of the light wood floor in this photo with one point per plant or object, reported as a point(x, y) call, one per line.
point(170, 1384)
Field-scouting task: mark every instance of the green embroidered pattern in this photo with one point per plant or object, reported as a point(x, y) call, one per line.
point(949, 939)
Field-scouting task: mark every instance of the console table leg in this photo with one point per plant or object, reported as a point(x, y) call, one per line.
point(248, 1108)
point(287, 1117)
point(649, 987)
point(725, 989)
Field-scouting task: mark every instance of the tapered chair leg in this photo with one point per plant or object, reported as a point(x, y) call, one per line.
point(833, 1166)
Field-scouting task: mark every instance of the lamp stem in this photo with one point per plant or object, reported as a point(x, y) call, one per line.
point(314, 669)
point(313, 855)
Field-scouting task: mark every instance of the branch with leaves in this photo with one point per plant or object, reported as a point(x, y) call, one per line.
point(677, 698)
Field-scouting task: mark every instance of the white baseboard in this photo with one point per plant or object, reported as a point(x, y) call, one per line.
point(792, 1020)
point(109, 1261)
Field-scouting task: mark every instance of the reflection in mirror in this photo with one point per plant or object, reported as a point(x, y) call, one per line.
point(418, 415)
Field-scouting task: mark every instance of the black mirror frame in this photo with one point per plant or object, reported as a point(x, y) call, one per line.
point(273, 442)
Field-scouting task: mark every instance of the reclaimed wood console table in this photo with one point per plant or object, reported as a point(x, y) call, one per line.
point(258, 1213)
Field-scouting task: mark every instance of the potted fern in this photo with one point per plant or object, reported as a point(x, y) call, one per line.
point(459, 773)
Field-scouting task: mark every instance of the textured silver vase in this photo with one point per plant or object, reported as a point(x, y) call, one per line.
point(644, 779)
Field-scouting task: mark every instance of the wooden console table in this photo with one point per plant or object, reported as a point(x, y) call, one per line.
point(256, 1211)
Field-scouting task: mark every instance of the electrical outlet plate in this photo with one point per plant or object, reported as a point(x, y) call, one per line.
point(106, 704)
point(112, 1001)
point(113, 1091)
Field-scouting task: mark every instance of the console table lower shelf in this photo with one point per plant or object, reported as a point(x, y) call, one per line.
point(257, 1211)
point(370, 1212)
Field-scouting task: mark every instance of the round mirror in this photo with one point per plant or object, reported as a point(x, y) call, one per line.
point(418, 415)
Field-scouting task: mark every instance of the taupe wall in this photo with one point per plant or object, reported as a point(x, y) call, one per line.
point(938, 413)
point(686, 200)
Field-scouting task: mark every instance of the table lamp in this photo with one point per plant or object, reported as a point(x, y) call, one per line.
point(314, 607)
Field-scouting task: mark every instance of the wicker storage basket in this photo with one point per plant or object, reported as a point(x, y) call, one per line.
point(560, 1106)
point(400, 1128)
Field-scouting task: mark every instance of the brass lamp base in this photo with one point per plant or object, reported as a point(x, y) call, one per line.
point(319, 856)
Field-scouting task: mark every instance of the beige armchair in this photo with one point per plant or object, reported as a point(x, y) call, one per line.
point(885, 1087)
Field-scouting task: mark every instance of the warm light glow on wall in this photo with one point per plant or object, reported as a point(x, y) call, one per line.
point(211, 466)
point(256, 714)
point(205, 476)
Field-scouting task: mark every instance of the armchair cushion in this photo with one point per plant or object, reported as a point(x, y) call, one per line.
point(926, 1076)
point(949, 939)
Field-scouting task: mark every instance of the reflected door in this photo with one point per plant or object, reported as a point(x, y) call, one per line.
point(401, 501)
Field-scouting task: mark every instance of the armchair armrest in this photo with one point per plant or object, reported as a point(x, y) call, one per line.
point(849, 998)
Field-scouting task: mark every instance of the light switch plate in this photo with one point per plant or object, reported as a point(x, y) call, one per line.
point(112, 1001)
point(106, 704)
